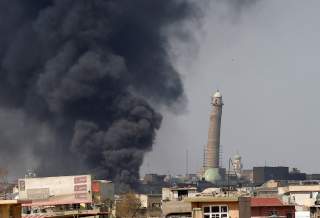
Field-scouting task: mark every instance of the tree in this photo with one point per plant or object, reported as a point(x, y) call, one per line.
point(128, 206)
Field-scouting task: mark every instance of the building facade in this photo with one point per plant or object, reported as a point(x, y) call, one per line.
point(271, 207)
point(220, 207)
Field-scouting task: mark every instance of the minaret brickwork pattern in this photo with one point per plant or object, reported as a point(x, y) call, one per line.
point(213, 146)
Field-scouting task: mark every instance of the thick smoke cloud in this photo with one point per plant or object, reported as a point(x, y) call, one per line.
point(87, 72)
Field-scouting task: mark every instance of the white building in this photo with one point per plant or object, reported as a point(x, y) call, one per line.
point(302, 195)
point(52, 195)
point(177, 193)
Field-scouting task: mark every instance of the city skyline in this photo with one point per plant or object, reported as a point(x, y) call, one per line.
point(265, 61)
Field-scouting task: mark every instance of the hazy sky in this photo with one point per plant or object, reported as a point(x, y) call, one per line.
point(265, 59)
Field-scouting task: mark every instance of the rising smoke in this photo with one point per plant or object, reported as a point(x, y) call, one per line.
point(78, 79)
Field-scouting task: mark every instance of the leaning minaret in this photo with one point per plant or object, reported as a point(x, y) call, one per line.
point(213, 146)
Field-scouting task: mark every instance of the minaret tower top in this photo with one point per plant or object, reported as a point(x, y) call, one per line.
point(216, 99)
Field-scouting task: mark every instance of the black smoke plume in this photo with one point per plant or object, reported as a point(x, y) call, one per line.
point(77, 81)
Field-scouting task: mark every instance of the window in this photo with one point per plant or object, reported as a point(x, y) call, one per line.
point(273, 213)
point(217, 211)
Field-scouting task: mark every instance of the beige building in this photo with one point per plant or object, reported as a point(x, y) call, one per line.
point(302, 195)
point(178, 193)
point(220, 207)
point(174, 204)
point(150, 205)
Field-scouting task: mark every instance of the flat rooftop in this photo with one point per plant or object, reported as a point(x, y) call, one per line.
point(213, 199)
point(6, 202)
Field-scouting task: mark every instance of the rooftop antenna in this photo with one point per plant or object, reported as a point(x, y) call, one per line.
point(220, 156)
point(204, 158)
point(187, 162)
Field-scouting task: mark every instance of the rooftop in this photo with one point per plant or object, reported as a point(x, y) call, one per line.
point(182, 188)
point(266, 202)
point(299, 188)
point(6, 202)
point(213, 199)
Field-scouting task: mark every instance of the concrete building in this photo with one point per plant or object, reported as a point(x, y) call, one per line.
point(63, 195)
point(247, 175)
point(263, 174)
point(174, 204)
point(315, 209)
point(176, 209)
point(10, 209)
point(153, 178)
point(150, 205)
point(220, 207)
point(314, 176)
point(102, 190)
point(237, 165)
point(178, 193)
point(268, 189)
point(302, 195)
point(295, 174)
point(271, 207)
point(212, 154)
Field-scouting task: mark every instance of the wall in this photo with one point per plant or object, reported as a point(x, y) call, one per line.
point(175, 207)
point(302, 214)
point(266, 211)
point(233, 207)
point(169, 194)
point(303, 198)
point(15, 210)
point(245, 207)
point(263, 174)
point(72, 187)
point(166, 194)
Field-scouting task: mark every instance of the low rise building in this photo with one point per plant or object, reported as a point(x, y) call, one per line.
point(173, 201)
point(150, 205)
point(52, 196)
point(263, 174)
point(302, 195)
point(315, 211)
point(220, 207)
point(268, 189)
point(178, 193)
point(268, 207)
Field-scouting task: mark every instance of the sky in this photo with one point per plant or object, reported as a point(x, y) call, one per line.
point(264, 57)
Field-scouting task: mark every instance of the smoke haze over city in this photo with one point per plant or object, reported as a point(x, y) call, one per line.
point(148, 75)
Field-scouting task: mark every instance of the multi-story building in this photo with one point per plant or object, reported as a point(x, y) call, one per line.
point(174, 204)
point(263, 174)
point(63, 195)
point(220, 207)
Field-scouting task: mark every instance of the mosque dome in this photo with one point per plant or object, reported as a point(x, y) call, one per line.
point(212, 175)
point(237, 157)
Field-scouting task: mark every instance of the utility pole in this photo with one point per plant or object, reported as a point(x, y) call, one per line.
point(187, 162)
